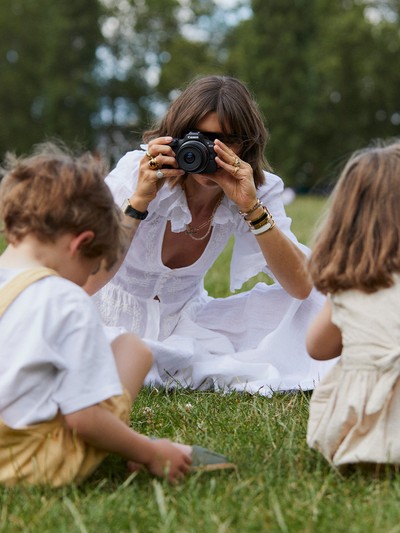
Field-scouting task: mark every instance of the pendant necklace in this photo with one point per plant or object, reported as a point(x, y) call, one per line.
point(191, 231)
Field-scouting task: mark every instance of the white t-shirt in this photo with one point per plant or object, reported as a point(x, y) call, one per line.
point(54, 355)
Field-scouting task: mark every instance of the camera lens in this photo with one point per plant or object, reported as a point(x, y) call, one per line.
point(189, 157)
point(192, 156)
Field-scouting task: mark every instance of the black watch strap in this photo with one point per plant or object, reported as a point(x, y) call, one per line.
point(132, 212)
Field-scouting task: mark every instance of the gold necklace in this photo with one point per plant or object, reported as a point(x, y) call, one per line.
point(191, 231)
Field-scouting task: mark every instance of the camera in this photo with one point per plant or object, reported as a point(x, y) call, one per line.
point(195, 153)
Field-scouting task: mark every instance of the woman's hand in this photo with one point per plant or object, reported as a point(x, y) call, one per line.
point(152, 172)
point(241, 189)
point(284, 258)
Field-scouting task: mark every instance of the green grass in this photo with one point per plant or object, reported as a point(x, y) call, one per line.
point(281, 485)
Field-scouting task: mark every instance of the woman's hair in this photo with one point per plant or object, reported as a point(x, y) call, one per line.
point(237, 113)
point(358, 246)
point(51, 193)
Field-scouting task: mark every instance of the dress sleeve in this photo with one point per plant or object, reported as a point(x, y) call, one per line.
point(247, 258)
point(122, 180)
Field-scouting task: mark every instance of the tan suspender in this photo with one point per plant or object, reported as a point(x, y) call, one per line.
point(13, 288)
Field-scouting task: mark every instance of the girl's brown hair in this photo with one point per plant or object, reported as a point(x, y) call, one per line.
point(237, 112)
point(358, 246)
point(51, 193)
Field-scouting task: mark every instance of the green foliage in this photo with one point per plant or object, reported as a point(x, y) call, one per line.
point(326, 77)
point(99, 72)
point(47, 52)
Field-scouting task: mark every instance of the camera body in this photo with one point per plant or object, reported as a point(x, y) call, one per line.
point(195, 153)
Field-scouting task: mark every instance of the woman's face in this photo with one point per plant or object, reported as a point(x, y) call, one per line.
point(211, 124)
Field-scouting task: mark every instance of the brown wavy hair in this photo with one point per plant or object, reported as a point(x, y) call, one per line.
point(51, 193)
point(237, 111)
point(358, 246)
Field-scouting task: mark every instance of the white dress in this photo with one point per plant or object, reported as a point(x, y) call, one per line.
point(250, 341)
point(354, 411)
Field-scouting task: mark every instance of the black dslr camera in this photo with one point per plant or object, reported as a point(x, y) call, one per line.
point(195, 153)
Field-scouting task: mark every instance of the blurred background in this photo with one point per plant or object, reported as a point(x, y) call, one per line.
point(326, 73)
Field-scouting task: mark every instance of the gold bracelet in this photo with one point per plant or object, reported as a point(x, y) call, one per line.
point(251, 210)
point(266, 220)
point(264, 216)
point(259, 219)
point(264, 228)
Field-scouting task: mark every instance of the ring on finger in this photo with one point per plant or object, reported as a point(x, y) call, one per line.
point(236, 162)
point(160, 175)
point(149, 156)
point(236, 169)
point(153, 164)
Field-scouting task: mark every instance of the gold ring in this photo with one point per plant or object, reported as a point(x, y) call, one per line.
point(150, 157)
point(153, 164)
point(236, 162)
point(236, 170)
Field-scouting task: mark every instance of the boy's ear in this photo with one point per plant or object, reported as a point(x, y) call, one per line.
point(79, 240)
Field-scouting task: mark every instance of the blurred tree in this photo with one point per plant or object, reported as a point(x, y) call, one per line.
point(152, 48)
point(326, 76)
point(47, 54)
point(325, 73)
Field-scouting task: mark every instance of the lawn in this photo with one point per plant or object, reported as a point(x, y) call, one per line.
point(280, 485)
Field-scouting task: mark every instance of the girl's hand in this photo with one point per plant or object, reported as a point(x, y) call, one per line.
point(152, 172)
point(237, 181)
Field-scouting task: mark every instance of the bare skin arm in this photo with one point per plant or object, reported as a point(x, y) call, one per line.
point(324, 339)
point(105, 431)
point(102, 429)
point(147, 188)
point(286, 261)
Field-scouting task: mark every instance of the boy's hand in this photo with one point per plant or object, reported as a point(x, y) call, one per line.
point(168, 460)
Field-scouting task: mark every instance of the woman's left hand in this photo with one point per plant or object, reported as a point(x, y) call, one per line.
point(284, 258)
point(241, 189)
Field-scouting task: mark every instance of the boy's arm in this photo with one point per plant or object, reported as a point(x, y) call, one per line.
point(324, 339)
point(103, 430)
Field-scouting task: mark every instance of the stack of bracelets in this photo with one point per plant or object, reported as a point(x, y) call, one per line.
point(263, 223)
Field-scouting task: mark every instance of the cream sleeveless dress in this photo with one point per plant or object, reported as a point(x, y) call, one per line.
point(355, 410)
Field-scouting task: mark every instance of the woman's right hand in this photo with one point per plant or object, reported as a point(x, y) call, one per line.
point(150, 181)
point(169, 460)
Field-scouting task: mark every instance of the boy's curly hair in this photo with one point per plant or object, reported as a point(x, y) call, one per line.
point(52, 192)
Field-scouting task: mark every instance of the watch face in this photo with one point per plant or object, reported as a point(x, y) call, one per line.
point(125, 205)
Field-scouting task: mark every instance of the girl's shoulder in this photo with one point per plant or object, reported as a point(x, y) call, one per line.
point(365, 301)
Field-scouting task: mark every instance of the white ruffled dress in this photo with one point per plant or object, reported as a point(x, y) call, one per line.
point(250, 341)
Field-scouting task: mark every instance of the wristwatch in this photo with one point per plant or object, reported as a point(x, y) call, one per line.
point(127, 209)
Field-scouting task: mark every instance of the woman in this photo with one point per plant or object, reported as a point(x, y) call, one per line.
point(181, 221)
